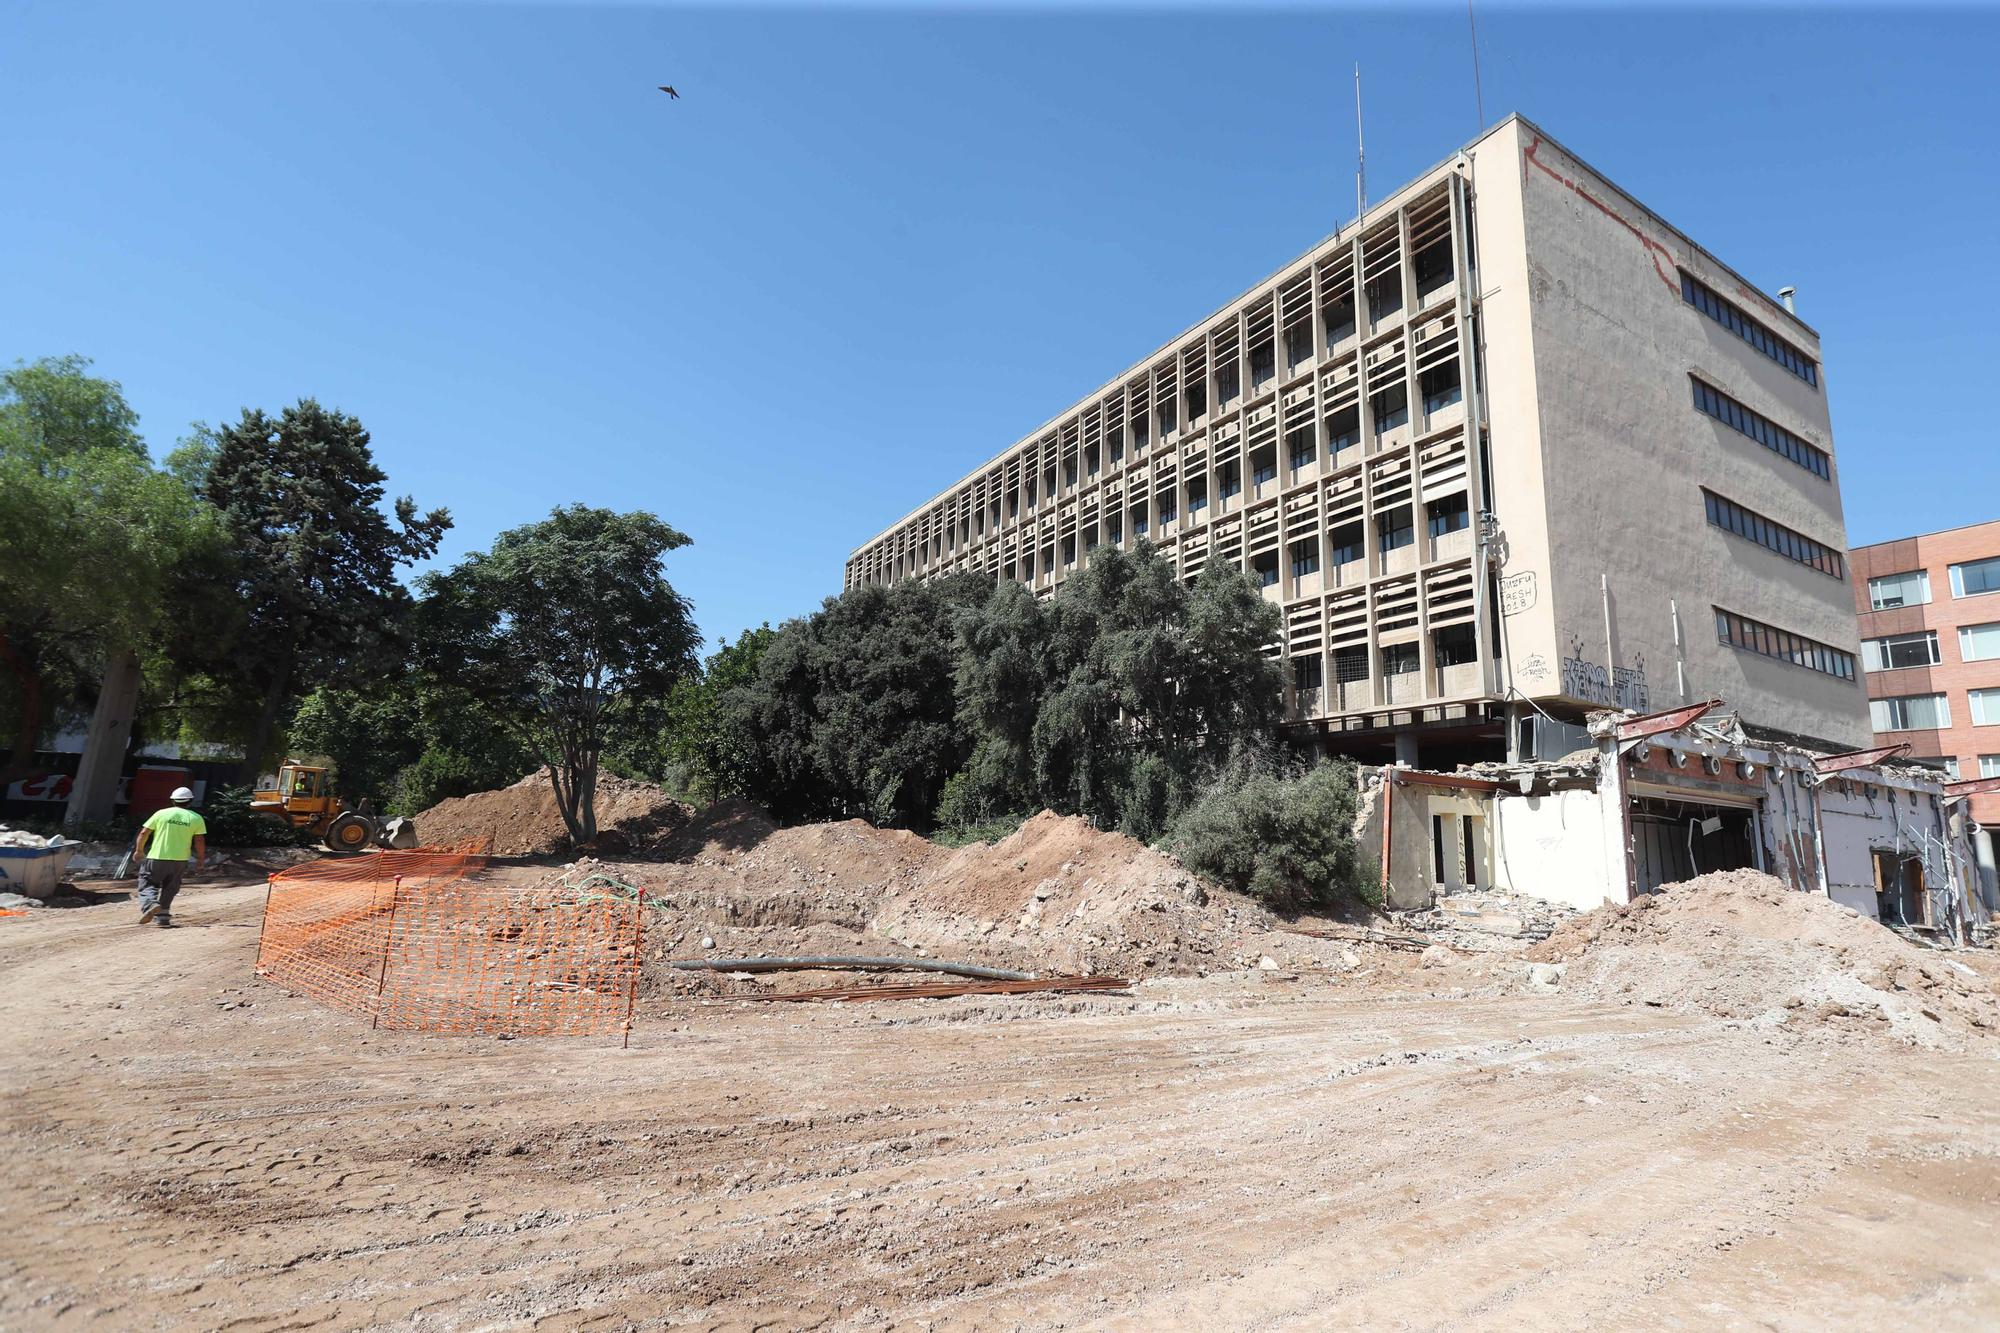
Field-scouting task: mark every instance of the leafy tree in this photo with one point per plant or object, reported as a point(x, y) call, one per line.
point(407, 742)
point(1285, 836)
point(686, 744)
point(1119, 695)
point(555, 627)
point(851, 712)
point(316, 558)
point(90, 535)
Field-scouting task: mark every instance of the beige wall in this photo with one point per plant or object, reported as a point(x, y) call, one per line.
point(1625, 454)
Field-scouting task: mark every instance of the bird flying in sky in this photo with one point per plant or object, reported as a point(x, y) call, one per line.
point(669, 91)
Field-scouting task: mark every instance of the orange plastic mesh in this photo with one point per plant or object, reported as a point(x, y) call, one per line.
point(420, 942)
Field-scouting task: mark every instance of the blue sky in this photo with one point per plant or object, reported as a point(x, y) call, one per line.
point(871, 247)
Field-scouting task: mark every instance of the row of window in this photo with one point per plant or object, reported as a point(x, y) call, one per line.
point(1755, 636)
point(1893, 652)
point(1731, 316)
point(1913, 587)
point(1932, 712)
point(1989, 765)
point(1791, 544)
point(1454, 645)
point(1761, 429)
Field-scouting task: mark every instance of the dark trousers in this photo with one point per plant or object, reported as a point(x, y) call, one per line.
point(159, 881)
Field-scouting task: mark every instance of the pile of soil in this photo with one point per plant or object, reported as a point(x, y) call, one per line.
point(522, 820)
point(1740, 944)
point(1055, 896)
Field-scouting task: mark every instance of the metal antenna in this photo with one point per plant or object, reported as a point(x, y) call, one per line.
point(1360, 152)
point(1478, 93)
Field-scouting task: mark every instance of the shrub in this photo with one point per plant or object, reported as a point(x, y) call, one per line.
point(1285, 837)
point(231, 823)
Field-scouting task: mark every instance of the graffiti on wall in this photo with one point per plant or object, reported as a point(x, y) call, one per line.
point(1616, 687)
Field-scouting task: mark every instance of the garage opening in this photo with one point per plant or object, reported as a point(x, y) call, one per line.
point(1900, 899)
point(1677, 840)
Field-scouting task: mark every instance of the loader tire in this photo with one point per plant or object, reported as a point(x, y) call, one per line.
point(351, 833)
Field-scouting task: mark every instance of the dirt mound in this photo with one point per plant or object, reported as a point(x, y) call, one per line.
point(1055, 896)
point(1740, 944)
point(522, 820)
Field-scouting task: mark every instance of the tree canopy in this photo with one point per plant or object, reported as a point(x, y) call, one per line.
point(556, 628)
point(315, 557)
point(91, 535)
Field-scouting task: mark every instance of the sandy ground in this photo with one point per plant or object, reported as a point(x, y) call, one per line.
point(186, 1147)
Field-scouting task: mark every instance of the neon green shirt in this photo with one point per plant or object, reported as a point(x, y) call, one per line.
point(174, 831)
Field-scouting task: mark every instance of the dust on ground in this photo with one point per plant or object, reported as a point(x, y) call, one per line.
point(524, 820)
point(1402, 1141)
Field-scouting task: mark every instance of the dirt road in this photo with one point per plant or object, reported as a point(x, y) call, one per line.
point(186, 1147)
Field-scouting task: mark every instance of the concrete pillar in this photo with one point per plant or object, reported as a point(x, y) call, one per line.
point(96, 786)
point(1406, 749)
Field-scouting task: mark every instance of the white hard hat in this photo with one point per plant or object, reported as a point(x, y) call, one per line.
point(182, 795)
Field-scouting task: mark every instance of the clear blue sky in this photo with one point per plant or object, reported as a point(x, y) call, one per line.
point(871, 247)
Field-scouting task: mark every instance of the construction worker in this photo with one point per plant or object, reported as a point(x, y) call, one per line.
point(166, 840)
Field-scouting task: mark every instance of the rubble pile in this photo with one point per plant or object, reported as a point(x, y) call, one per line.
point(1486, 920)
point(1739, 944)
point(1055, 896)
point(523, 820)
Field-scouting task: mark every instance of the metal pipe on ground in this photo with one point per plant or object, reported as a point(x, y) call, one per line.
point(837, 962)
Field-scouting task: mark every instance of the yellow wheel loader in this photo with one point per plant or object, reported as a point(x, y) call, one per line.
point(304, 799)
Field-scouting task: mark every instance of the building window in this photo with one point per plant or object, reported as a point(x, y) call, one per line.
point(1385, 295)
point(1890, 590)
point(1263, 466)
point(1985, 707)
point(1230, 478)
point(1730, 316)
point(1754, 636)
point(1228, 382)
point(1298, 343)
point(1300, 443)
point(1975, 577)
point(1113, 533)
point(1901, 650)
point(1433, 265)
point(1447, 515)
point(1732, 517)
point(1400, 659)
point(1350, 664)
point(1339, 319)
point(1391, 408)
point(1139, 519)
point(1761, 429)
point(1395, 529)
point(1343, 430)
point(1197, 400)
point(1265, 569)
point(1440, 387)
point(1346, 540)
point(1263, 363)
point(1910, 712)
point(1305, 558)
point(1454, 645)
point(1197, 496)
point(1167, 510)
point(1308, 673)
point(1989, 766)
point(1979, 643)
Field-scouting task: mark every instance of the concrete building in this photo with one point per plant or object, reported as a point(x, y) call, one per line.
point(1929, 609)
point(1506, 449)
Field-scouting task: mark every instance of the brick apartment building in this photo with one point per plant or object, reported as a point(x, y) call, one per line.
point(1929, 608)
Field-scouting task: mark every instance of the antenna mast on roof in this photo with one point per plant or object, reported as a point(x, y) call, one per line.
point(1478, 93)
point(1360, 152)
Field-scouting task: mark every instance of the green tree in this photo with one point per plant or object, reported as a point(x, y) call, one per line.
point(1283, 835)
point(406, 742)
point(316, 559)
point(851, 713)
point(555, 627)
point(1119, 695)
point(90, 537)
point(688, 746)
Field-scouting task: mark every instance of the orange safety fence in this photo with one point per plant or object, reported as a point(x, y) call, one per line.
point(423, 941)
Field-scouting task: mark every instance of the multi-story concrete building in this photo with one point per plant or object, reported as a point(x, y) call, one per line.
point(1508, 446)
point(1930, 642)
